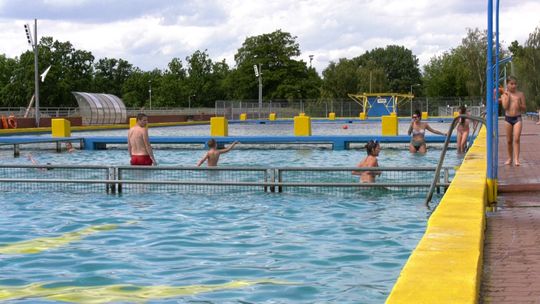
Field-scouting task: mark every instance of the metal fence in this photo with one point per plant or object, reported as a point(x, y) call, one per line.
point(435, 106)
point(122, 179)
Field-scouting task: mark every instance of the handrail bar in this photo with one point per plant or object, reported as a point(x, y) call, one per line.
point(445, 148)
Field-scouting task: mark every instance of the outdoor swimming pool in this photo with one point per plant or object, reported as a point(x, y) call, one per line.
point(228, 247)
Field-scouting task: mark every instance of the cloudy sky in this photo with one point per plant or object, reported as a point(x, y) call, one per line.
point(150, 33)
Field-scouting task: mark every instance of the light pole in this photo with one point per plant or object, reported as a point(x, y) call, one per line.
point(310, 59)
point(150, 92)
point(410, 92)
point(258, 74)
point(34, 43)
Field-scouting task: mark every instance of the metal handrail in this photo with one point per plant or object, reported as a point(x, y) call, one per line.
point(113, 176)
point(443, 152)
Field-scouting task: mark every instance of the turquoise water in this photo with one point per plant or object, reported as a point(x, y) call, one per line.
point(331, 250)
point(297, 248)
point(238, 129)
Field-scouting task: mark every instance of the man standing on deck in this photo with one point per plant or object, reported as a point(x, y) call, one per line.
point(139, 147)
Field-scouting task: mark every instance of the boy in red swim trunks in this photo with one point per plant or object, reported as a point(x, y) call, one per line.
point(513, 102)
point(139, 147)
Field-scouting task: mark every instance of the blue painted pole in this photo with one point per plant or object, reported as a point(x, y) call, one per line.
point(496, 104)
point(491, 183)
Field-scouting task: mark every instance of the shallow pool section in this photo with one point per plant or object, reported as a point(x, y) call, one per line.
point(300, 248)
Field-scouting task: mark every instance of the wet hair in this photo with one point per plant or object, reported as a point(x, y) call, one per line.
point(462, 110)
point(371, 146)
point(140, 116)
point(418, 113)
point(211, 143)
point(511, 78)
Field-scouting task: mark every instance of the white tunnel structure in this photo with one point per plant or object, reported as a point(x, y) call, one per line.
point(100, 109)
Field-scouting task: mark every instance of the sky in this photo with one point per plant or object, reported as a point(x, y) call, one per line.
point(149, 33)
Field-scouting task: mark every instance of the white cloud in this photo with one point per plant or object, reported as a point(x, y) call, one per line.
point(150, 34)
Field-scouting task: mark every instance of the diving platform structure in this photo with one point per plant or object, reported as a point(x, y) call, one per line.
point(380, 104)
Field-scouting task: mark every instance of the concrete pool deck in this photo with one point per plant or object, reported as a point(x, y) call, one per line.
point(511, 271)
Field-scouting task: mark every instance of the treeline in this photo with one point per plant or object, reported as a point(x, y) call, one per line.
point(198, 80)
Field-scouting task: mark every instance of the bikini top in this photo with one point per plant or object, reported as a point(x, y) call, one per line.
point(418, 132)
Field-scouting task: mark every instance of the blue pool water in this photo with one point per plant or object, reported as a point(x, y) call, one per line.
point(296, 248)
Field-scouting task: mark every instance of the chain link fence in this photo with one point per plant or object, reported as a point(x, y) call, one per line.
point(435, 106)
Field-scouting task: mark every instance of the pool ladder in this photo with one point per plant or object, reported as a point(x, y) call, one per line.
point(445, 148)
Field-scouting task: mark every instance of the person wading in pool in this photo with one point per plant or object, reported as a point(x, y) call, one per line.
point(513, 102)
point(213, 153)
point(373, 149)
point(139, 147)
point(418, 130)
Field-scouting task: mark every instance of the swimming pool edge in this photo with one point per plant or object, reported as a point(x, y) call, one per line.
point(446, 265)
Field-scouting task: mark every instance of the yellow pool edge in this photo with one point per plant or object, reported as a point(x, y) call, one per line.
point(446, 265)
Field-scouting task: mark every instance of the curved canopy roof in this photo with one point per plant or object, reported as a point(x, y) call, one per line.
point(99, 109)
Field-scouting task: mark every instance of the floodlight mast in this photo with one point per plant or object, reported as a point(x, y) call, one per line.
point(258, 74)
point(33, 43)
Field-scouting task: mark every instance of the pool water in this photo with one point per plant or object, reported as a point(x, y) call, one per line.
point(328, 250)
point(230, 247)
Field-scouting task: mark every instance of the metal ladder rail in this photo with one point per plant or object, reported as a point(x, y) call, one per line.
point(443, 153)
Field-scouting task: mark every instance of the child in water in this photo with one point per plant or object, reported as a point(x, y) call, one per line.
point(213, 153)
point(373, 149)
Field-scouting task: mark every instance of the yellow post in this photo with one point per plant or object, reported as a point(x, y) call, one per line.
point(243, 116)
point(389, 125)
point(425, 115)
point(492, 190)
point(219, 126)
point(456, 114)
point(332, 116)
point(272, 116)
point(362, 116)
point(302, 126)
point(60, 127)
point(132, 122)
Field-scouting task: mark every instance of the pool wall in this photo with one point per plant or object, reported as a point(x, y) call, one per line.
point(446, 265)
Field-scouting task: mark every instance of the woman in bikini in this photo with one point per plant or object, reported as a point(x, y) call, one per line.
point(418, 130)
point(462, 131)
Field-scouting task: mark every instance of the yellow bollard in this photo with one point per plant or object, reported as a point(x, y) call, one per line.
point(332, 116)
point(389, 125)
point(132, 122)
point(243, 116)
point(60, 127)
point(362, 116)
point(425, 115)
point(272, 116)
point(219, 126)
point(302, 126)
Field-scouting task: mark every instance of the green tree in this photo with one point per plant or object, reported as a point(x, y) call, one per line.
point(282, 76)
point(527, 63)
point(110, 75)
point(71, 70)
point(172, 89)
point(400, 66)
point(446, 75)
